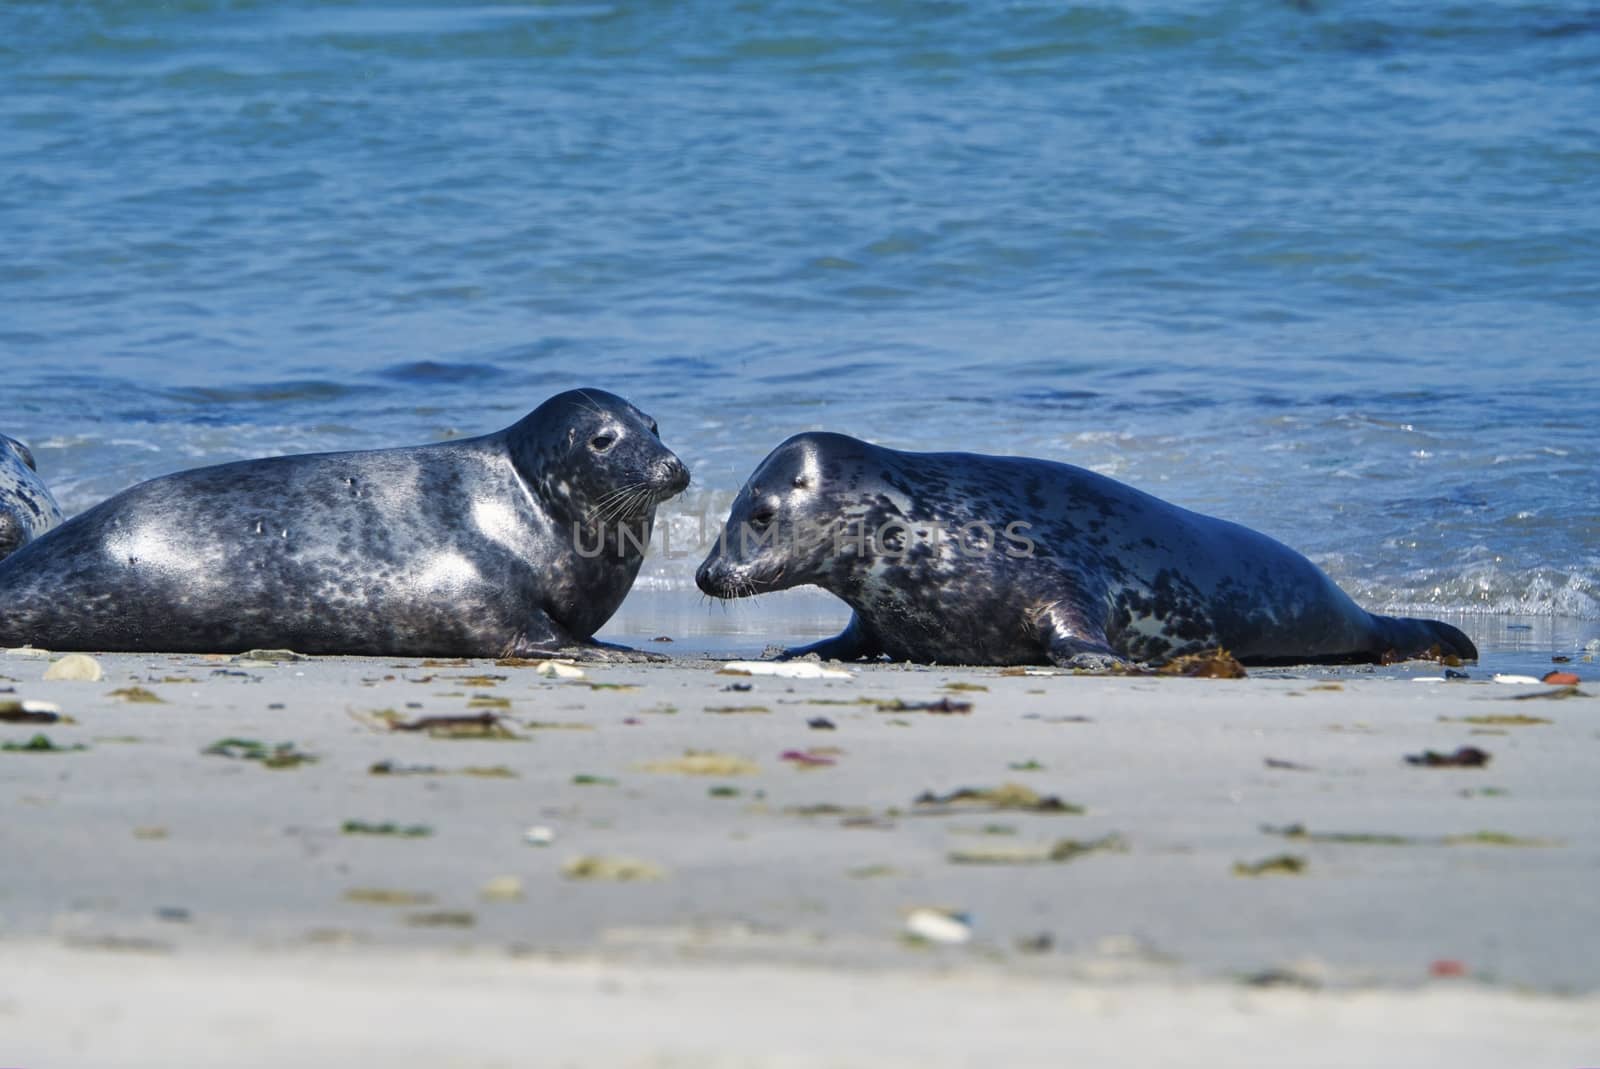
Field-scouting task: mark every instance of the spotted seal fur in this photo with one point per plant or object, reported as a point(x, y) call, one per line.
point(957, 558)
point(520, 542)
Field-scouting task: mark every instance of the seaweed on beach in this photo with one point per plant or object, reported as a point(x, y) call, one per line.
point(704, 763)
point(732, 709)
point(1277, 865)
point(387, 828)
point(614, 869)
point(1007, 796)
point(814, 757)
point(1464, 757)
point(138, 695)
point(943, 705)
point(1299, 833)
point(40, 744)
point(1496, 719)
point(279, 755)
point(1207, 664)
point(470, 726)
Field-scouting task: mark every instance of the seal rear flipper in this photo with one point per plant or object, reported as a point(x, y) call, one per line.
point(1406, 637)
point(851, 644)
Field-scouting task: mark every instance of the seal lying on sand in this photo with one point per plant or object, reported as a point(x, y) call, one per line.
point(955, 558)
point(26, 508)
point(520, 542)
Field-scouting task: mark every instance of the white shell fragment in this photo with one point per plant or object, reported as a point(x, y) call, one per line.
point(76, 666)
point(1520, 681)
point(559, 669)
point(937, 926)
point(784, 670)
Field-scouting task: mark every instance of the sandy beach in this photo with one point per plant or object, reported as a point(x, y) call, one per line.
point(258, 859)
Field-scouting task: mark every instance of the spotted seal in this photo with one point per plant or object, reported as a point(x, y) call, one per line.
point(26, 508)
point(520, 542)
point(956, 558)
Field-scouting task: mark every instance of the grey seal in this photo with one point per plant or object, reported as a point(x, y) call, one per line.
point(520, 542)
point(27, 510)
point(957, 558)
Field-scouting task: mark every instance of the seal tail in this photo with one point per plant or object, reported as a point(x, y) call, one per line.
point(1404, 637)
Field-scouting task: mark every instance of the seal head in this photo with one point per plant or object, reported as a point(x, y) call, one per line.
point(27, 509)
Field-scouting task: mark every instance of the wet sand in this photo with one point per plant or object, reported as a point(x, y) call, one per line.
point(765, 871)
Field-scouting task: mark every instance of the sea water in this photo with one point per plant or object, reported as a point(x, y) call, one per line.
point(1329, 268)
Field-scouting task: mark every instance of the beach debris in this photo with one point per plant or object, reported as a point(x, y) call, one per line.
point(943, 705)
point(723, 790)
point(502, 889)
point(1483, 792)
point(1037, 943)
point(613, 869)
point(585, 779)
point(539, 835)
point(783, 670)
point(871, 872)
point(265, 658)
point(1286, 766)
point(30, 712)
point(442, 918)
point(1058, 852)
point(1277, 976)
point(481, 680)
point(820, 723)
point(1434, 653)
point(1496, 720)
point(467, 726)
point(1207, 664)
point(138, 696)
point(40, 744)
point(731, 709)
point(383, 896)
point(1515, 680)
point(76, 666)
point(1300, 833)
point(1030, 765)
point(993, 799)
point(931, 925)
point(279, 755)
point(150, 833)
point(963, 686)
point(174, 914)
point(1447, 969)
point(1556, 694)
point(398, 768)
point(386, 828)
point(488, 701)
point(1277, 865)
point(704, 763)
point(740, 688)
point(815, 757)
point(1464, 757)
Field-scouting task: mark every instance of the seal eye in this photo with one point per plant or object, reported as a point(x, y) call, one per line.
point(763, 519)
point(601, 442)
point(654, 429)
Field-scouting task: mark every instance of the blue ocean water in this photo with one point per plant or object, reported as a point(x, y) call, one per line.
point(1330, 268)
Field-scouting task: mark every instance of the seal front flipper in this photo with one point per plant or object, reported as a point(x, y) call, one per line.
point(1072, 641)
point(851, 644)
point(545, 639)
